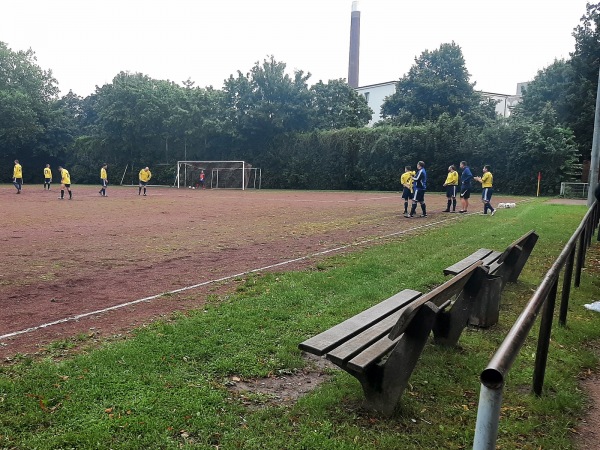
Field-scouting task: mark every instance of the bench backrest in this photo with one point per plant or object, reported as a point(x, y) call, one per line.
point(513, 259)
point(438, 296)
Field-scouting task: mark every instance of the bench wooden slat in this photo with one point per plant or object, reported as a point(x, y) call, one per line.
point(438, 296)
point(457, 268)
point(325, 341)
point(362, 340)
point(364, 359)
point(491, 258)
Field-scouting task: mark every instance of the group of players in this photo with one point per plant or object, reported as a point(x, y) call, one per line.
point(65, 179)
point(414, 185)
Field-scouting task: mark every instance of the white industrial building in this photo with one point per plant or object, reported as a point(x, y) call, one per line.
point(375, 95)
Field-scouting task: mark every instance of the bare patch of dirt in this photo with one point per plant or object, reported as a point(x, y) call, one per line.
point(588, 432)
point(283, 388)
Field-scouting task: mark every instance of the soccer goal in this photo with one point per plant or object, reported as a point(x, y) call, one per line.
point(218, 175)
point(574, 190)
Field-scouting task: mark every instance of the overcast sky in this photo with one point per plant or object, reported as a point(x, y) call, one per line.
point(87, 42)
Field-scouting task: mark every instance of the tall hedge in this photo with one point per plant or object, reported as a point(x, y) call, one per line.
point(374, 158)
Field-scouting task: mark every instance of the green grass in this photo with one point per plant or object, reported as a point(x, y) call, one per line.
point(166, 386)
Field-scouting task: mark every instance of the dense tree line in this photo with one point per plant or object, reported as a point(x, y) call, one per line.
point(306, 136)
point(372, 158)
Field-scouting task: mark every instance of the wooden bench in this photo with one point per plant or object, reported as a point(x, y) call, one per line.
point(507, 264)
point(499, 268)
point(381, 346)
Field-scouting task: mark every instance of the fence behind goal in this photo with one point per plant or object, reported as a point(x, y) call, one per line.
point(574, 190)
point(218, 175)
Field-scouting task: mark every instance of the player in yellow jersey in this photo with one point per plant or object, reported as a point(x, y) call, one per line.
point(451, 186)
point(103, 180)
point(487, 183)
point(65, 180)
point(47, 176)
point(144, 176)
point(407, 189)
point(18, 176)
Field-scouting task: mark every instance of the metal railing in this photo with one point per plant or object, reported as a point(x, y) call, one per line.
point(493, 377)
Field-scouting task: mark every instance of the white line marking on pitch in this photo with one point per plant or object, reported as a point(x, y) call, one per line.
point(226, 278)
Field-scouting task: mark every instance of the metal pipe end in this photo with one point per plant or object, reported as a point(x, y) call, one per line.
point(492, 378)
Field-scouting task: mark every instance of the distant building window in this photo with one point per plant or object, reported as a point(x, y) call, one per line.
point(367, 96)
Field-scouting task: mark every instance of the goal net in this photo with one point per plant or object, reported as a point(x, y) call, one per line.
point(218, 175)
point(574, 190)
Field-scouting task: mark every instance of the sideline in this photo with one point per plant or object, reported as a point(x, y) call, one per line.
point(229, 277)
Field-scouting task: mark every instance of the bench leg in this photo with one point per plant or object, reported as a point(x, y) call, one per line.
point(449, 324)
point(384, 383)
point(486, 305)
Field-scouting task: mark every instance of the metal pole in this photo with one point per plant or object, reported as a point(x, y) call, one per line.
point(566, 290)
point(488, 416)
point(593, 179)
point(541, 356)
point(580, 258)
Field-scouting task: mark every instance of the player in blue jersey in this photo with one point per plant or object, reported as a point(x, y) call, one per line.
point(419, 188)
point(466, 177)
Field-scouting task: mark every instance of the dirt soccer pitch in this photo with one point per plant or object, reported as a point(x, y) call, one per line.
point(97, 265)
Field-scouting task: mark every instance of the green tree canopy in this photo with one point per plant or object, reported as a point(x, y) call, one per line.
point(337, 105)
point(28, 114)
point(569, 87)
point(266, 102)
point(438, 83)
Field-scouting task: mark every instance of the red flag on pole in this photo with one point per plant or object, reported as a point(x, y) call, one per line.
point(539, 180)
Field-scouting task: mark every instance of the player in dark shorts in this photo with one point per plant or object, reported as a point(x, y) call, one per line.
point(103, 180)
point(144, 177)
point(451, 186)
point(47, 176)
point(406, 181)
point(65, 179)
point(466, 177)
point(419, 188)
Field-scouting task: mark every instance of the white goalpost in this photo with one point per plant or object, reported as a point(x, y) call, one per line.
point(218, 175)
point(574, 190)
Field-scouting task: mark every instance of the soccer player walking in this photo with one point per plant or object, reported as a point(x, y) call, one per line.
point(47, 176)
point(451, 186)
point(466, 178)
point(65, 180)
point(144, 176)
point(103, 180)
point(18, 176)
point(407, 190)
point(419, 188)
point(487, 183)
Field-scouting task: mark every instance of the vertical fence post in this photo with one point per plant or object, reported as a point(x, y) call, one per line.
point(541, 355)
point(566, 289)
point(589, 230)
point(488, 417)
point(580, 258)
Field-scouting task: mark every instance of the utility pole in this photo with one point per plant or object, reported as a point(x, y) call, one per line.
point(595, 160)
